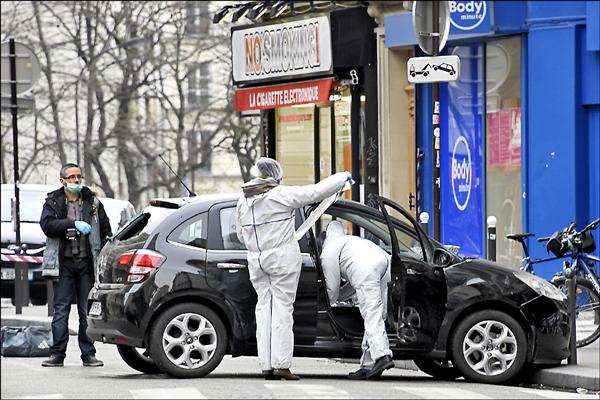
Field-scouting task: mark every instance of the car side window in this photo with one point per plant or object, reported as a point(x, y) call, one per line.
point(228, 221)
point(192, 232)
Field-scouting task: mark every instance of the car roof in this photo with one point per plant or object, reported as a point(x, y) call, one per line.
point(206, 199)
point(114, 202)
point(30, 187)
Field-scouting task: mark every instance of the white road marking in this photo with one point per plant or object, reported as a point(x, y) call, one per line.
point(44, 396)
point(167, 393)
point(306, 391)
point(441, 393)
point(554, 394)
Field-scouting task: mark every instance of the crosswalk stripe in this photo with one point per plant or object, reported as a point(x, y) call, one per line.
point(167, 393)
point(553, 394)
point(306, 391)
point(441, 393)
point(44, 396)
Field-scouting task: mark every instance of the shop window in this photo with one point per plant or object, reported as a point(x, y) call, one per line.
point(503, 143)
point(295, 143)
point(343, 134)
point(325, 166)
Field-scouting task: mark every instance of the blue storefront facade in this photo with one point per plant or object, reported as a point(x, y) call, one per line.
point(520, 129)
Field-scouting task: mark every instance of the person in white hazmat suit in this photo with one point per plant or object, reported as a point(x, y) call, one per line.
point(266, 225)
point(366, 267)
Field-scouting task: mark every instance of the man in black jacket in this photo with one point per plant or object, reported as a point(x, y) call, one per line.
point(77, 227)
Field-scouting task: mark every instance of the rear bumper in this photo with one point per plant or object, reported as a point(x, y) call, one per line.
point(119, 319)
point(37, 287)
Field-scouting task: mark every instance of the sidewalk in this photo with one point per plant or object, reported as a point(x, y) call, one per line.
point(585, 374)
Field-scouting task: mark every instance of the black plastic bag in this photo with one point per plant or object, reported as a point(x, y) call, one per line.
point(26, 341)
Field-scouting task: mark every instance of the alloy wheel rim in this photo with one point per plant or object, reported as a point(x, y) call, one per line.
point(189, 341)
point(490, 348)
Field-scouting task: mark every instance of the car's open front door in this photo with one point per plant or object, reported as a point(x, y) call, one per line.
point(417, 290)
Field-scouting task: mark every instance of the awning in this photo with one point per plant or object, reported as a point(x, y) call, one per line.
point(265, 97)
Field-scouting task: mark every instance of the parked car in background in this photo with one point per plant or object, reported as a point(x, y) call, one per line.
point(173, 293)
point(32, 199)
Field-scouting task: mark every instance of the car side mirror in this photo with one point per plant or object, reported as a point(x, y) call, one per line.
point(442, 257)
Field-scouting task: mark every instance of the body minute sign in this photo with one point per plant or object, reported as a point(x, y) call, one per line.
point(298, 48)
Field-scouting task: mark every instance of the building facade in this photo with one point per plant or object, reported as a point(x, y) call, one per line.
point(519, 129)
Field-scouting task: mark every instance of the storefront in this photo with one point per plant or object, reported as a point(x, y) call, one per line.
point(519, 129)
point(314, 82)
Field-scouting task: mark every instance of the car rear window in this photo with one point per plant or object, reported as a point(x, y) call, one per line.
point(144, 222)
point(31, 204)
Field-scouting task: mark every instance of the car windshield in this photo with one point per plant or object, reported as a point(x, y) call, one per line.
point(31, 204)
point(144, 222)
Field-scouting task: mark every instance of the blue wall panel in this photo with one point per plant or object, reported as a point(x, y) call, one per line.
point(551, 140)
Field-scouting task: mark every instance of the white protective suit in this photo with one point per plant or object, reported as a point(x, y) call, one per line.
point(266, 225)
point(367, 267)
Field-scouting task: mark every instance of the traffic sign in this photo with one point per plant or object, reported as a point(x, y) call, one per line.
point(27, 68)
point(433, 69)
point(422, 14)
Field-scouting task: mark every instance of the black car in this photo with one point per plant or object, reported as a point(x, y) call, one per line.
point(175, 282)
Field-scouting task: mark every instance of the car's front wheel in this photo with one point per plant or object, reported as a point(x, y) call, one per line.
point(439, 369)
point(138, 359)
point(188, 341)
point(489, 347)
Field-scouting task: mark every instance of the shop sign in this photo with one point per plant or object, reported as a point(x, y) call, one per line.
point(469, 17)
point(262, 98)
point(291, 49)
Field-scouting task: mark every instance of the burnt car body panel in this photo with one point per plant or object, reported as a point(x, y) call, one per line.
point(215, 274)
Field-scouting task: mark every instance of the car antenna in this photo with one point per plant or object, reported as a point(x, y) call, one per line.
point(192, 194)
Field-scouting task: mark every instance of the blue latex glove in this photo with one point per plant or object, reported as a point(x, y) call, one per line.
point(348, 175)
point(83, 227)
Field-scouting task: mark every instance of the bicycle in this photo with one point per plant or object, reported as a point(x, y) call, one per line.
point(577, 246)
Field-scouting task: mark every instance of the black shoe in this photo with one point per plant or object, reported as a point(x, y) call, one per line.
point(381, 365)
point(91, 361)
point(359, 374)
point(285, 374)
point(268, 375)
point(53, 361)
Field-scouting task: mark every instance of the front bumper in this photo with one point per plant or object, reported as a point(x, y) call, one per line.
point(550, 329)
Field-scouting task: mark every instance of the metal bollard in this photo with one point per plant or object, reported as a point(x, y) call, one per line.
point(491, 238)
point(571, 295)
point(21, 286)
point(424, 220)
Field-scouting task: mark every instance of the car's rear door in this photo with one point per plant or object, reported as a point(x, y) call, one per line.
point(227, 272)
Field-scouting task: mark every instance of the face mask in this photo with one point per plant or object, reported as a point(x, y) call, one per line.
point(74, 187)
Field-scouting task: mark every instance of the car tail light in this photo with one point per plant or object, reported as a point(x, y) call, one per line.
point(141, 263)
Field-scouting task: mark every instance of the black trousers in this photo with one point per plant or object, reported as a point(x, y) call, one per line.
point(74, 279)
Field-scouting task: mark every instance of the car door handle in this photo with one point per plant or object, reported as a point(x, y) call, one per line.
point(230, 266)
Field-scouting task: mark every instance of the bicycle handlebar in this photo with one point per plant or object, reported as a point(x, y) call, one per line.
point(593, 225)
point(543, 239)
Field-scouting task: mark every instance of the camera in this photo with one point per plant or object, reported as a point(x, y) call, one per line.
point(73, 236)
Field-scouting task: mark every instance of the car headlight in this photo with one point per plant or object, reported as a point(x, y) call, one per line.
point(540, 286)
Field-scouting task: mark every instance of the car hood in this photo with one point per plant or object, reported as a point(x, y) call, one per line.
point(31, 233)
point(478, 279)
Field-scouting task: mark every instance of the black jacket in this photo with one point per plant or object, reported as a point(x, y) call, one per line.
point(54, 221)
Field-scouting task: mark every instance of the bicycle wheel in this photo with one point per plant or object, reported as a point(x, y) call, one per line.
point(587, 310)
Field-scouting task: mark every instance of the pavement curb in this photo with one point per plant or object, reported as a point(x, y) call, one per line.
point(567, 377)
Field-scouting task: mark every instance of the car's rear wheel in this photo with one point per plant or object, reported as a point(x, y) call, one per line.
point(489, 347)
point(439, 369)
point(138, 360)
point(188, 341)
